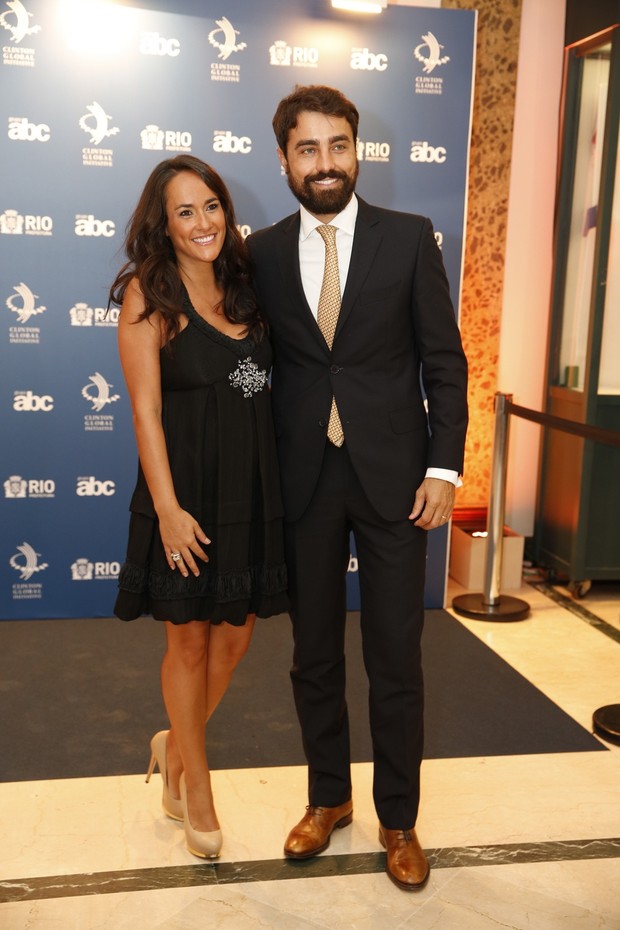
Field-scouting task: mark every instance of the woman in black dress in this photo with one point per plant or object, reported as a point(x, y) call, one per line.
point(205, 543)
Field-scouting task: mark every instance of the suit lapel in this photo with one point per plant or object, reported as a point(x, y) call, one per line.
point(365, 244)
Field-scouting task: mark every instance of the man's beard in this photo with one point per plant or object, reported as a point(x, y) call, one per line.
point(319, 201)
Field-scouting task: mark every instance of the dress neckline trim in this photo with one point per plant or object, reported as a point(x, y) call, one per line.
point(240, 346)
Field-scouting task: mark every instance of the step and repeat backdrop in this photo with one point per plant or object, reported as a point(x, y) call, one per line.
point(93, 96)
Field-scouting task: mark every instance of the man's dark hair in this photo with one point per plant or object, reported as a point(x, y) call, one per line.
point(316, 98)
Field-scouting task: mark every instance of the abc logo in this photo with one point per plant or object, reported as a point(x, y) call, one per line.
point(227, 143)
point(92, 487)
point(154, 44)
point(20, 130)
point(423, 153)
point(362, 59)
point(87, 225)
point(27, 402)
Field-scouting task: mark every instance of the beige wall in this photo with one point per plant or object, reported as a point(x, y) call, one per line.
point(497, 51)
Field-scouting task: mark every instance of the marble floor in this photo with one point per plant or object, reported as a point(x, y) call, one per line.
point(514, 841)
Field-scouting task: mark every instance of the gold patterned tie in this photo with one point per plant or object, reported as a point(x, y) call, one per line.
point(327, 316)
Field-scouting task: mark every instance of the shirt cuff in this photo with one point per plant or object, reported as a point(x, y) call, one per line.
point(445, 474)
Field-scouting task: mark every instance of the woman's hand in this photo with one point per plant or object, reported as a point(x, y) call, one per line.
point(181, 537)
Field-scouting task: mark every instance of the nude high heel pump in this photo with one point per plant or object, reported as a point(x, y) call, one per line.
point(172, 806)
point(206, 845)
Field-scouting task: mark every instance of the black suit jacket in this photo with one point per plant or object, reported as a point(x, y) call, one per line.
point(396, 331)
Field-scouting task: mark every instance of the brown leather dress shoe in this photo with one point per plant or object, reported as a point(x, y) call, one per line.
point(406, 864)
point(313, 832)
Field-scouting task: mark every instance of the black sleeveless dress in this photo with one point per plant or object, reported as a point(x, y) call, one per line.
point(216, 418)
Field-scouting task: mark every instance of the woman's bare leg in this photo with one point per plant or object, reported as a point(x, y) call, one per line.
point(196, 672)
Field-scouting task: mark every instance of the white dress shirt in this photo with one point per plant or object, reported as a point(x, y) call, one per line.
point(312, 266)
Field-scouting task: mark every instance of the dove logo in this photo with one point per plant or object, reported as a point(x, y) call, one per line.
point(95, 122)
point(23, 303)
point(26, 562)
point(227, 33)
point(97, 392)
point(432, 59)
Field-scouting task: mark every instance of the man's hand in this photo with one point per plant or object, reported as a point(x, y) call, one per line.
point(433, 504)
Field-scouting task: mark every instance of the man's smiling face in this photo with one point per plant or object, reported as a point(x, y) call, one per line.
point(321, 163)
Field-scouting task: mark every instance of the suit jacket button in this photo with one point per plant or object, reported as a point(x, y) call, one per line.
point(335, 369)
point(322, 423)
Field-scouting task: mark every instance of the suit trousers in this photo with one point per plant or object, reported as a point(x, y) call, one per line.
point(391, 560)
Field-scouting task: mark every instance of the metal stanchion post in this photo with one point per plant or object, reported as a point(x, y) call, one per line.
point(490, 605)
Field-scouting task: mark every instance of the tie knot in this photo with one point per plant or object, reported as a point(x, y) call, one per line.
point(328, 234)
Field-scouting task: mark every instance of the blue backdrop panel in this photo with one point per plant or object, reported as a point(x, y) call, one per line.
point(93, 96)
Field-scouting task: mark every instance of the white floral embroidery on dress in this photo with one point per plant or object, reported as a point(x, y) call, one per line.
point(248, 377)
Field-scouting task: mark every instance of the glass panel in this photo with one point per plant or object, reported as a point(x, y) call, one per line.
point(609, 373)
point(582, 235)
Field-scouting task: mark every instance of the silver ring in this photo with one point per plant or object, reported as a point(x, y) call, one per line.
point(175, 556)
point(445, 517)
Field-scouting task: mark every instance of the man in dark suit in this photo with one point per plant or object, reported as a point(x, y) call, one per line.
point(359, 452)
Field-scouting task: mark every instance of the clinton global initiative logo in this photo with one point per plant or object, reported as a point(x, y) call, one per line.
point(228, 35)
point(13, 223)
point(26, 562)
point(96, 122)
point(428, 53)
point(97, 393)
point(23, 304)
point(16, 487)
point(155, 139)
point(224, 39)
point(16, 19)
point(282, 55)
point(85, 570)
point(373, 151)
point(81, 314)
